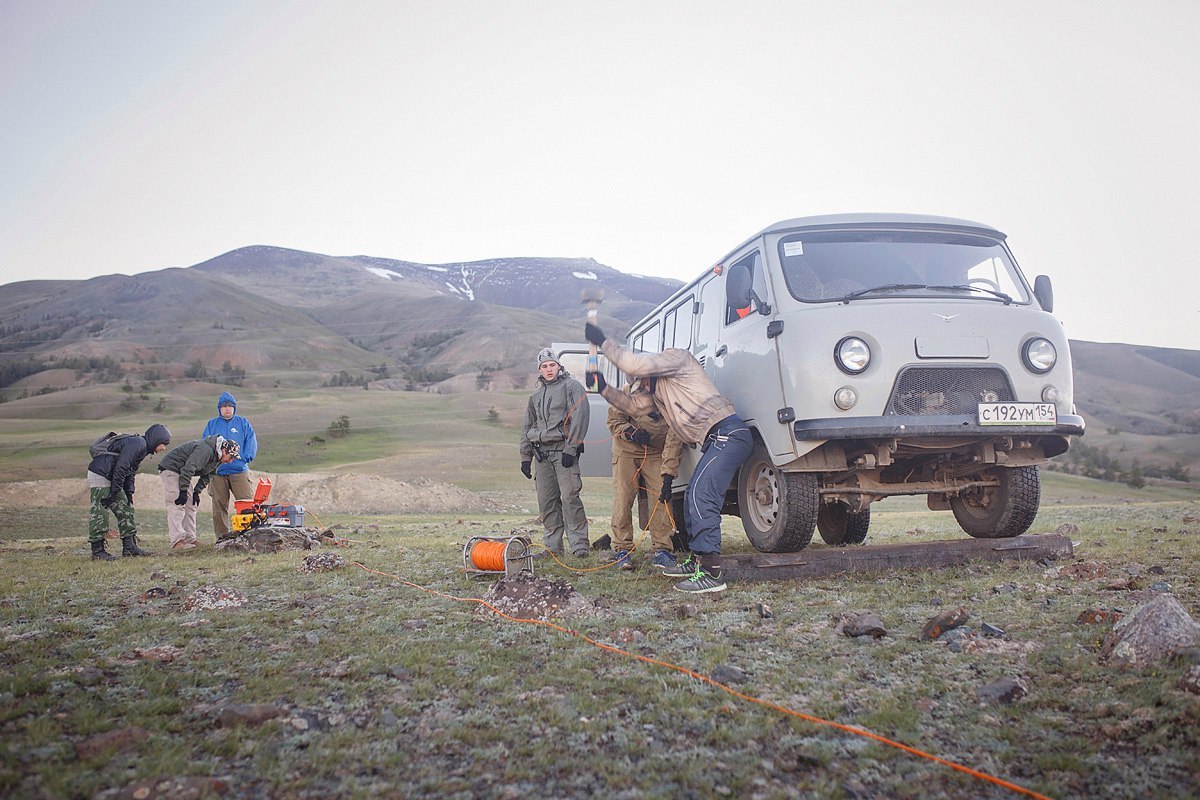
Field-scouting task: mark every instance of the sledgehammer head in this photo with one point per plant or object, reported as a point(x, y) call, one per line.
point(591, 298)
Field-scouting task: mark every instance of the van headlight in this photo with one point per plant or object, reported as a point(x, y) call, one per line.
point(852, 355)
point(1040, 355)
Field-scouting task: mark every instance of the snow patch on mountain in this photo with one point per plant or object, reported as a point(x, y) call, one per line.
point(385, 273)
point(586, 276)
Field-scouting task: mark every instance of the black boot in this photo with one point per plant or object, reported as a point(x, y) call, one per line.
point(100, 554)
point(129, 547)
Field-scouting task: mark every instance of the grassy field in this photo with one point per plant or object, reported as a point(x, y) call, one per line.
point(384, 689)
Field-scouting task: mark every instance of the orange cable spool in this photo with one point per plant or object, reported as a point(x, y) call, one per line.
point(489, 556)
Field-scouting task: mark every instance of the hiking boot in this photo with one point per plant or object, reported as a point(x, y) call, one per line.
point(183, 544)
point(582, 553)
point(622, 560)
point(663, 559)
point(684, 568)
point(100, 554)
point(702, 581)
point(129, 547)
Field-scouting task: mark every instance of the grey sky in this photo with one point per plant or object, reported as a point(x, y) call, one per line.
point(651, 136)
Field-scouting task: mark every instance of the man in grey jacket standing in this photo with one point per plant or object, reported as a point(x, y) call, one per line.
point(679, 390)
point(556, 421)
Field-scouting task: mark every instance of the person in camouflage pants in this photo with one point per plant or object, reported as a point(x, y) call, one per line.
point(110, 478)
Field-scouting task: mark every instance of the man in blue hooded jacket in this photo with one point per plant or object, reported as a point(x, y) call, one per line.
point(232, 478)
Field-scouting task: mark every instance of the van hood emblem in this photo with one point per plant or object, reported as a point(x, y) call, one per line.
point(945, 317)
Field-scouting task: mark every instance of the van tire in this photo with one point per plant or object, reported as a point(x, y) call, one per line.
point(839, 525)
point(778, 509)
point(1003, 511)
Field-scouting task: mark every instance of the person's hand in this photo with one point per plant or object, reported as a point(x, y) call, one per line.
point(182, 499)
point(526, 469)
point(129, 497)
point(641, 437)
point(665, 494)
point(596, 379)
point(593, 334)
point(568, 460)
point(108, 500)
point(196, 497)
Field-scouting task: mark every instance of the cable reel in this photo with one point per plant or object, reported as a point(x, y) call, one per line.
point(491, 555)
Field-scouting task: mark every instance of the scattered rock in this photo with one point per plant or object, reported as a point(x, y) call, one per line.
point(603, 543)
point(628, 636)
point(1004, 588)
point(1005, 690)
point(1157, 570)
point(321, 562)
point(991, 631)
point(1190, 682)
point(863, 623)
point(1067, 529)
point(944, 621)
point(212, 598)
point(1159, 586)
point(1084, 570)
point(727, 673)
point(272, 540)
point(764, 611)
point(686, 610)
point(179, 788)
point(166, 653)
point(153, 593)
point(526, 597)
point(1186, 655)
point(117, 741)
point(1100, 616)
point(250, 714)
point(1150, 634)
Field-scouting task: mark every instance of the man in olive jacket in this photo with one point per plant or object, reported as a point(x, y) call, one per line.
point(198, 458)
point(556, 420)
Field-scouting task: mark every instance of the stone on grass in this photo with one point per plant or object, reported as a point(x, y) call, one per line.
point(212, 598)
point(863, 623)
point(944, 621)
point(525, 597)
point(184, 787)
point(249, 714)
point(1190, 682)
point(1150, 634)
point(117, 741)
point(1005, 690)
point(1100, 616)
point(321, 562)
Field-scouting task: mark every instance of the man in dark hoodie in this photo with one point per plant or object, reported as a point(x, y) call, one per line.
point(198, 458)
point(232, 478)
point(110, 478)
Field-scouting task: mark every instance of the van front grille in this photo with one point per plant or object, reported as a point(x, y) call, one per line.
point(947, 390)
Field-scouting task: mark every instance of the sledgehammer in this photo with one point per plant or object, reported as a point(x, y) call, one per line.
point(592, 298)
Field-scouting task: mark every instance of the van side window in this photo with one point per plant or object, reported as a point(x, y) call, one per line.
point(753, 263)
point(677, 325)
point(649, 340)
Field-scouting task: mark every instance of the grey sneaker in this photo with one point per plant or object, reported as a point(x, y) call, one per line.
point(683, 568)
point(701, 581)
point(663, 559)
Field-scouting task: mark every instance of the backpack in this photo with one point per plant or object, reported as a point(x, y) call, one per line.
point(104, 445)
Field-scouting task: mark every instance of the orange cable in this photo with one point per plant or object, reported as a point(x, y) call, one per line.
point(857, 731)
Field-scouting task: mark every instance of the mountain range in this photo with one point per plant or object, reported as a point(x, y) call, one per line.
point(274, 316)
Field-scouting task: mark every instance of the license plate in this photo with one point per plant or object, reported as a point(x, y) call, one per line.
point(1017, 414)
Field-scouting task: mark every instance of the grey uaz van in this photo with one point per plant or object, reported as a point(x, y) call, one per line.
point(873, 356)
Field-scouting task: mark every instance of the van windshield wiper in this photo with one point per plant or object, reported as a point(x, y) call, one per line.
point(962, 287)
point(887, 287)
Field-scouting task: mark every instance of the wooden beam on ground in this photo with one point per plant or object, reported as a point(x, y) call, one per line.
point(817, 561)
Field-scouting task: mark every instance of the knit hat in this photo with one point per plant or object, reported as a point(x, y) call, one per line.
point(231, 447)
point(544, 355)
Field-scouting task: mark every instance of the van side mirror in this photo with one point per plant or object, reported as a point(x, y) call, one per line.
point(1044, 292)
point(737, 287)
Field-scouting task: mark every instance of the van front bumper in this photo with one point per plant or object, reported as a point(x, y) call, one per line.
point(899, 427)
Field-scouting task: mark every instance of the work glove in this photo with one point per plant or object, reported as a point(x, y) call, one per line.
point(641, 437)
point(597, 380)
point(665, 494)
point(196, 497)
point(526, 469)
point(129, 497)
point(182, 499)
point(593, 334)
point(108, 500)
point(568, 460)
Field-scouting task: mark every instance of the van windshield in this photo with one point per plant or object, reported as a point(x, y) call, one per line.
point(824, 266)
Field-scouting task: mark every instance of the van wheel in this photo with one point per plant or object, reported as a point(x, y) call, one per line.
point(1002, 511)
point(779, 509)
point(839, 525)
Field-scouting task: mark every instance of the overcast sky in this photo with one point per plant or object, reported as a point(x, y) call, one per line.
point(651, 136)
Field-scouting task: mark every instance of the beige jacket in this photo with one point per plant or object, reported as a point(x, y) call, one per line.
point(683, 394)
point(662, 438)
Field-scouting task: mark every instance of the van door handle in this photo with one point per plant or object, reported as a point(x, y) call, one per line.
point(722, 350)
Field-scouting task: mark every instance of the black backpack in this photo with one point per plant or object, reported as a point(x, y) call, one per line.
point(105, 444)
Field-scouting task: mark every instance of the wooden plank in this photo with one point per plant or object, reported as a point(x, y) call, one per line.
point(817, 561)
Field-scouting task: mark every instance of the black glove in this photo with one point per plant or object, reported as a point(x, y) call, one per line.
point(182, 499)
point(568, 460)
point(593, 334)
point(525, 469)
point(196, 497)
point(129, 497)
point(596, 379)
point(108, 500)
point(665, 494)
point(641, 437)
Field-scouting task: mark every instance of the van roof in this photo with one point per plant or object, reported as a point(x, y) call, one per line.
point(858, 220)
